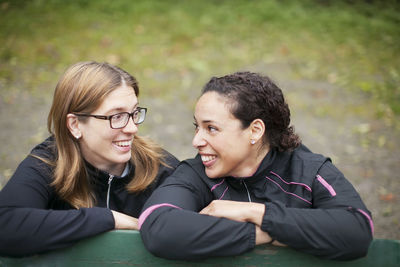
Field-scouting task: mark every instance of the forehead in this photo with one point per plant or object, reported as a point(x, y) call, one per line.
point(212, 106)
point(122, 98)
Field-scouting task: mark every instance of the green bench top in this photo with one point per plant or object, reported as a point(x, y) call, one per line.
point(125, 248)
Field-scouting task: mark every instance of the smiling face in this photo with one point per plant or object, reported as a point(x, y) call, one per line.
point(106, 148)
point(225, 147)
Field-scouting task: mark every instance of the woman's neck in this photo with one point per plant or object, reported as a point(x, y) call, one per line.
point(254, 162)
point(259, 157)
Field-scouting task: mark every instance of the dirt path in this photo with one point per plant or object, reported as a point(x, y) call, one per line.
point(328, 119)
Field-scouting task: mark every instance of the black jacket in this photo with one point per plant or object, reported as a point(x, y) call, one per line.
point(310, 206)
point(34, 219)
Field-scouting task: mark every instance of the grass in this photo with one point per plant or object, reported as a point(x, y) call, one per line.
point(177, 45)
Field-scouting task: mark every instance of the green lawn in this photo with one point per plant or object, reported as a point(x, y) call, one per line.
point(175, 45)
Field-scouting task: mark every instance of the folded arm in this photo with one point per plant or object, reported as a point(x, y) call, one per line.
point(338, 226)
point(28, 225)
point(171, 226)
point(242, 212)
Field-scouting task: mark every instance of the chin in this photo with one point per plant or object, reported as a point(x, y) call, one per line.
point(212, 175)
point(122, 159)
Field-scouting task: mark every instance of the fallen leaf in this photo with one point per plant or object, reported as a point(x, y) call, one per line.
point(389, 197)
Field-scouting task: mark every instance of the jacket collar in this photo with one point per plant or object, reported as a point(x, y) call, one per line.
point(262, 169)
point(98, 176)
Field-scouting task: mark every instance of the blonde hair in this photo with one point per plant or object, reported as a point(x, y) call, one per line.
point(82, 88)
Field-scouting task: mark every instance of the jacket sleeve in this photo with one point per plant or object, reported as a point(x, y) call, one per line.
point(338, 226)
point(28, 226)
point(171, 227)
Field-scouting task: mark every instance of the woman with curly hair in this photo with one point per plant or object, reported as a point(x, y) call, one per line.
point(253, 182)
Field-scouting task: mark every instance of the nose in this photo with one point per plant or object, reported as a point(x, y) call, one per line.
point(131, 127)
point(198, 140)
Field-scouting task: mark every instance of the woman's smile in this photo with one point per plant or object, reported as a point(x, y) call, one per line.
point(123, 146)
point(208, 160)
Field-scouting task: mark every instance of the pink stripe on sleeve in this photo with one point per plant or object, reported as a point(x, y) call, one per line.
point(289, 193)
point(150, 209)
point(371, 223)
point(301, 184)
point(326, 185)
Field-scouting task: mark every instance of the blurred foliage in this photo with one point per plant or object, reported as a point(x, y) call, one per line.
point(175, 45)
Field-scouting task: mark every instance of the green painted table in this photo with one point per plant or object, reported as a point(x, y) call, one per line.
point(125, 248)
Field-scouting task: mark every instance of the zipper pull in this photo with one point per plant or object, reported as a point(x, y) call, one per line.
point(247, 190)
point(110, 178)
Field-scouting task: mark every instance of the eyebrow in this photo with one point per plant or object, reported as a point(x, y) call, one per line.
point(204, 121)
point(120, 109)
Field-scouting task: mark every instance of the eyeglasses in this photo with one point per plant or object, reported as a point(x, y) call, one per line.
point(120, 120)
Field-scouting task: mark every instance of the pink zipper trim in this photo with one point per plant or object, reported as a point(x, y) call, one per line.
point(150, 210)
point(215, 186)
point(226, 189)
point(301, 184)
point(326, 185)
point(290, 193)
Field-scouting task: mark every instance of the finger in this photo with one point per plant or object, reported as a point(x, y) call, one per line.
point(203, 211)
point(278, 244)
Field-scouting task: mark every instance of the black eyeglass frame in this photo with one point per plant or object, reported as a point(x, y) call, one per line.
point(104, 117)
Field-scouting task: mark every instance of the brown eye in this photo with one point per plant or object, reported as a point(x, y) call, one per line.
point(212, 129)
point(118, 116)
point(119, 120)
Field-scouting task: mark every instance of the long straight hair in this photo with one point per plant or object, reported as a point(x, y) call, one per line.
point(82, 89)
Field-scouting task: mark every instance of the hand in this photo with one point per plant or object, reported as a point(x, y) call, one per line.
point(264, 238)
point(236, 210)
point(123, 221)
point(278, 244)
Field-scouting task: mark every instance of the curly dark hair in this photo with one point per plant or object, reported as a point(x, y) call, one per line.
point(254, 96)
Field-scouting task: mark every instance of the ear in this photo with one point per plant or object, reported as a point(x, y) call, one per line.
point(257, 128)
point(73, 125)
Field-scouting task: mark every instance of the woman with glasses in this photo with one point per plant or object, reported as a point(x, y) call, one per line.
point(253, 182)
point(93, 174)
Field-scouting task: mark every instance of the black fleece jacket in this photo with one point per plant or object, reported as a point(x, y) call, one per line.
point(309, 206)
point(34, 219)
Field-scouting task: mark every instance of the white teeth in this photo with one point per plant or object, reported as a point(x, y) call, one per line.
point(124, 143)
point(207, 158)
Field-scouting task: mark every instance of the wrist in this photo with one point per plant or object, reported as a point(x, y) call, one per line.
point(255, 213)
